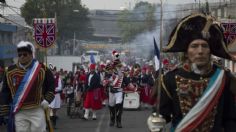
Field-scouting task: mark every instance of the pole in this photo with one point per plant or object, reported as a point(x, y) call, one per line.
point(199, 5)
point(74, 44)
point(160, 64)
point(155, 122)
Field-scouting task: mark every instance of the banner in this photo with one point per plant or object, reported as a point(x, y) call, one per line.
point(229, 31)
point(44, 31)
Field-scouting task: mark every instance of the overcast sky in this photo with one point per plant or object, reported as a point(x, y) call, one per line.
point(113, 4)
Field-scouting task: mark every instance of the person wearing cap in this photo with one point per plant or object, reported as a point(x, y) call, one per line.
point(197, 95)
point(93, 99)
point(55, 105)
point(115, 83)
point(28, 88)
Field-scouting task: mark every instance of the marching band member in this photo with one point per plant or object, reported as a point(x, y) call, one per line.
point(115, 80)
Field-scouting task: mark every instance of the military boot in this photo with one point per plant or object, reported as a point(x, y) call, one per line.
point(112, 115)
point(119, 110)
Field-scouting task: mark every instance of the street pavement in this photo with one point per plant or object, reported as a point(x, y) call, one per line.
point(132, 121)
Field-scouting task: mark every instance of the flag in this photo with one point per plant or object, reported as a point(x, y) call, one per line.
point(92, 59)
point(156, 55)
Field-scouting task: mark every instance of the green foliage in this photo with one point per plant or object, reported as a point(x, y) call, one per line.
point(136, 21)
point(68, 21)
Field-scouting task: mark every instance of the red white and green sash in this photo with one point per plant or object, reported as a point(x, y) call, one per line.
point(206, 103)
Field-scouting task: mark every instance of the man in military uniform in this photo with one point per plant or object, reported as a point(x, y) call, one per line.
point(28, 88)
point(114, 78)
point(196, 96)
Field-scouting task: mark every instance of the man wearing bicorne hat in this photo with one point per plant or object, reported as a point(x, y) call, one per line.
point(197, 95)
point(28, 88)
point(93, 100)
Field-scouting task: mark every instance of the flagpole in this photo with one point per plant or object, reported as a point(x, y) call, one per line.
point(160, 64)
point(155, 122)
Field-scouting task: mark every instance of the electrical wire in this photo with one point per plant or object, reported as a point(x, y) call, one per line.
point(11, 20)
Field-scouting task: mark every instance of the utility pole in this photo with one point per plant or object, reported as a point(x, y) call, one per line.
point(199, 5)
point(74, 48)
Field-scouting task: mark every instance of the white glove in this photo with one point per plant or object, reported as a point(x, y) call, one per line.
point(44, 104)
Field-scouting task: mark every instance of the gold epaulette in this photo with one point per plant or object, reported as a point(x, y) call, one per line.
point(49, 96)
point(221, 65)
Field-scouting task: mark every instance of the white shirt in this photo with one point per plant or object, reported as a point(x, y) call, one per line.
point(90, 76)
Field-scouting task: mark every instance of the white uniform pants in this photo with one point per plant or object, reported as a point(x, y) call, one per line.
point(32, 120)
point(115, 98)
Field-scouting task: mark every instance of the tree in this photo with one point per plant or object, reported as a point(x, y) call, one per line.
point(136, 21)
point(3, 1)
point(72, 17)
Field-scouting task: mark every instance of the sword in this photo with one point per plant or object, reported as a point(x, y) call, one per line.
point(48, 121)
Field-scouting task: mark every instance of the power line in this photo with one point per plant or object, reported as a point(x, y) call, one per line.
point(15, 11)
point(9, 6)
point(11, 20)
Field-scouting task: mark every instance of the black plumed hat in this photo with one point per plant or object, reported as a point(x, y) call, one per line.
point(198, 26)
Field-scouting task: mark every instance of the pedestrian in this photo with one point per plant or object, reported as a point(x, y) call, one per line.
point(55, 105)
point(28, 88)
point(101, 73)
point(93, 101)
point(196, 96)
point(80, 88)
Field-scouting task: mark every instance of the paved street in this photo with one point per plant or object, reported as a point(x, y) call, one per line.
point(132, 121)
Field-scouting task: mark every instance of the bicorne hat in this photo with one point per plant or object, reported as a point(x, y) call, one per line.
point(198, 26)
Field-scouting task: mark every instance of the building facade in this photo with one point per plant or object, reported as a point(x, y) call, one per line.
point(7, 48)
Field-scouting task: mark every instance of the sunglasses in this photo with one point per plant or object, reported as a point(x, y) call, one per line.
point(22, 54)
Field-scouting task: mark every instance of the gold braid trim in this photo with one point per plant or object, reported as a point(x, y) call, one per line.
point(164, 87)
point(174, 37)
point(49, 97)
point(205, 31)
point(4, 110)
